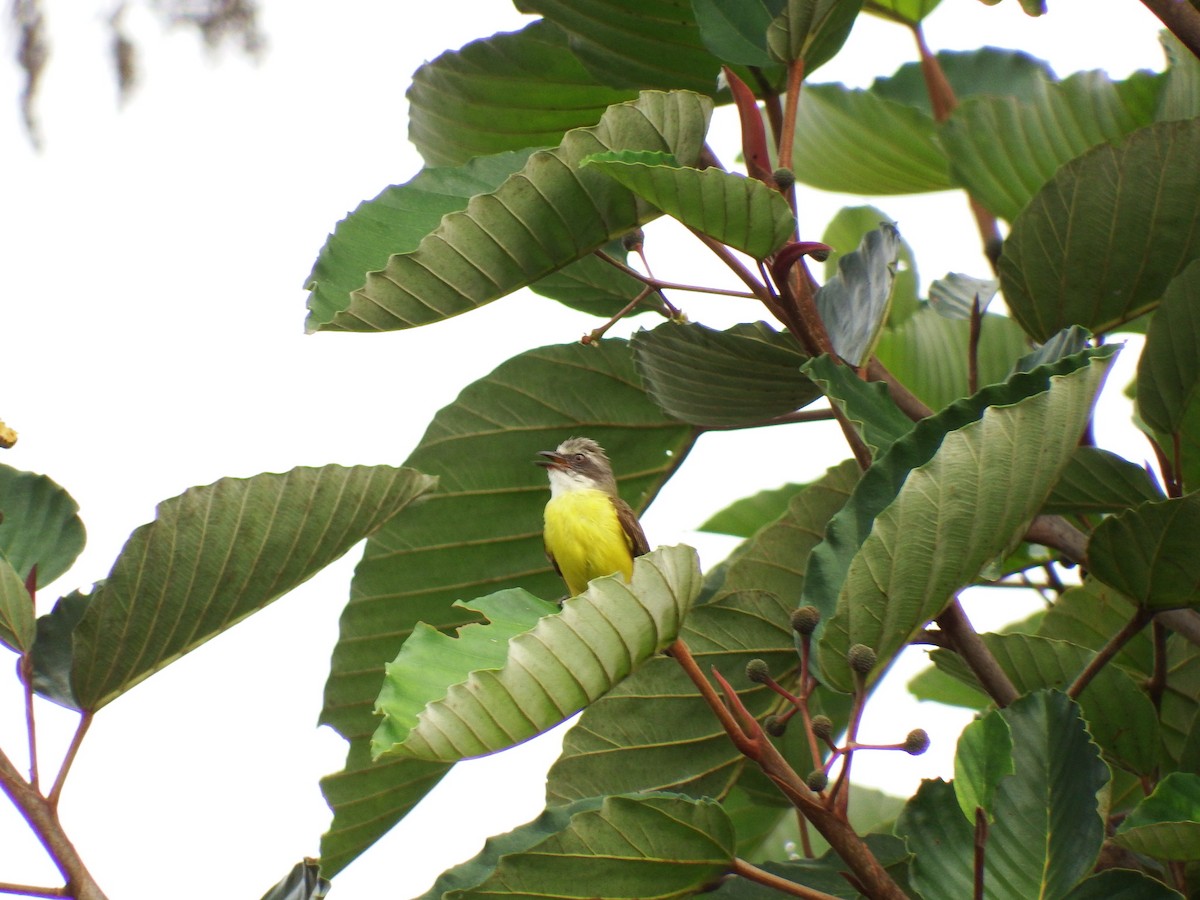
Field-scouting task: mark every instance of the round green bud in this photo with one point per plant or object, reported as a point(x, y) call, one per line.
point(775, 725)
point(631, 240)
point(822, 727)
point(917, 742)
point(784, 178)
point(862, 658)
point(817, 780)
point(805, 619)
point(757, 671)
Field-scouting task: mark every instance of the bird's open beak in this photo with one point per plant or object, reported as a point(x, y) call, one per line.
point(551, 459)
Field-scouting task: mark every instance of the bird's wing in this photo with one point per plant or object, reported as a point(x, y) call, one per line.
point(632, 527)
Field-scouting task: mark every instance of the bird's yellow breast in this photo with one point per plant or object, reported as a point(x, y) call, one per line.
point(585, 538)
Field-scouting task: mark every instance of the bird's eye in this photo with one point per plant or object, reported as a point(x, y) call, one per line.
point(579, 457)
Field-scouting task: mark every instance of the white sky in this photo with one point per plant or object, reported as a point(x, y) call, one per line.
point(151, 324)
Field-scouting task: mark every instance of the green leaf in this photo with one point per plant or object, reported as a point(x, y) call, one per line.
point(1089, 615)
point(929, 354)
point(650, 845)
point(738, 211)
point(651, 44)
point(480, 533)
point(1097, 481)
point(1103, 238)
point(856, 142)
point(480, 253)
point(987, 71)
point(39, 525)
point(811, 30)
point(743, 376)
point(845, 232)
point(1148, 553)
point(17, 624)
point(744, 517)
point(956, 295)
point(1180, 97)
point(1046, 829)
point(907, 11)
point(935, 685)
point(531, 667)
point(735, 31)
point(1122, 884)
point(216, 554)
point(653, 730)
point(1168, 375)
point(1064, 343)
point(976, 490)
point(1121, 717)
point(941, 843)
point(505, 92)
point(304, 882)
point(982, 760)
point(596, 287)
point(866, 404)
point(1003, 149)
point(395, 221)
point(1166, 825)
point(52, 653)
point(854, 303)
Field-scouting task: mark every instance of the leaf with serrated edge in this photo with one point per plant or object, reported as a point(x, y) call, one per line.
point(1148, 553)
point(1099, 243)
point(982, 759)
point(1166, 825)
point(867, 404)
point(481, 532)
point(740, 212)
point(540, 219)
point(970, 499)
point(653, 731)
point(216, 554)
point(555, 665)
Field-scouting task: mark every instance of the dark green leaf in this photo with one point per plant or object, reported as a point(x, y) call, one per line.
point(216, 554)
point(1168, 375)
point(987, 71)
point(480, 533)
point(39, 525)
point(1148, 553)
point(16, 609)
point(52, 650)
point(984, 470)
point(744, 517)
point(1002, 149)
point(857, 142)
point(649, 845)
point(1122, 884)
point(854, 303)
point(811, 30)
point(735, 31)
point(1166, 825)
point(505, 92)
point(596, 287)
point(941, 841)
point(935, 685)
point(1180, 97)
point(395, 222)
point(929, 354)
point(482, 252)
point(983, 758)
point(738, 211)
point(746, 375)
point(653, 730)
point(866, 404)
point(1103, 238)
point(1097, 481)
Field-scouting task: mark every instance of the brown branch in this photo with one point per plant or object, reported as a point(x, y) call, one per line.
point(28, 890)
point(763, 877)
point(967, 643)
point(43, 820)
point(1140, 618)
point(905, 400)
point(788, 130)
point(752, 742)
point(1182, 20)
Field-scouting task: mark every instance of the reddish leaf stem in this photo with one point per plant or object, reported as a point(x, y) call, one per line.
point(763, 877)
point(1108, 651)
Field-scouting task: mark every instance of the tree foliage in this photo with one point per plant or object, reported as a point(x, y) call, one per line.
point(722, 709)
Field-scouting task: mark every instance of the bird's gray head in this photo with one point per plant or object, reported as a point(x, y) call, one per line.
point(579, 463)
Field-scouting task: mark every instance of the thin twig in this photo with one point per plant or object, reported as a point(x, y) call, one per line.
point(981, 836)
point(28, 890)
point(1158, 678)
point(762, 876)
point(973, 347)
point(85, 722)
point(659, 285)
point(25, 672)
point(1108, 651)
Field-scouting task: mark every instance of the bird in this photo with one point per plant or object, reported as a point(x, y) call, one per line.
point(589, 530)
